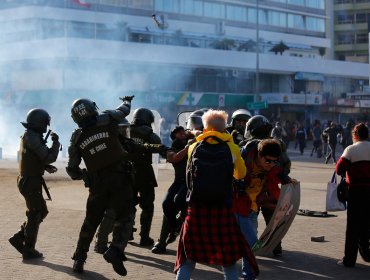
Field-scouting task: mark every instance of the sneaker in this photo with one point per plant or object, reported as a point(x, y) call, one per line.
point(159, 248)
point(31, 253)
point(100, 249)
point(146, 241)
point(113, 256)
point(17, 242)
point(78, 266)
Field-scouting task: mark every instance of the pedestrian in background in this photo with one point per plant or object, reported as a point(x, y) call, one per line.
point(331, 133)
point(355, 164)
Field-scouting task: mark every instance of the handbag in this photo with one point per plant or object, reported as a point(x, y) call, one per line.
point(342, 190)
point(332, 201)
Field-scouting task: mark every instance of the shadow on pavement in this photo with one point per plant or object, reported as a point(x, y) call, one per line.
point(68, 270)
point(304, 266)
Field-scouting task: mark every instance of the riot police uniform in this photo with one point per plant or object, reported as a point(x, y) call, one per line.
point(96, 141)
point(34, 159)
point(130, 146)
point(141, 132)
point(238, 123)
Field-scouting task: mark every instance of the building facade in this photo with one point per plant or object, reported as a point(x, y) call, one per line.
point(175, 55)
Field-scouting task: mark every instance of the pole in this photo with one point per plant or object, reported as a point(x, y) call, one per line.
point(257, 89)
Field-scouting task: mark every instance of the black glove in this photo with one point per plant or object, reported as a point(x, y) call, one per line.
point(127, 98)
point(54, 137)
point(163, 151)
point(50, 168)
point(85, 178)
point(239, 186)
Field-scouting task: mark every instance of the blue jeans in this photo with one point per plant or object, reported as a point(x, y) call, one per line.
point(248, 226)
point(185, 270)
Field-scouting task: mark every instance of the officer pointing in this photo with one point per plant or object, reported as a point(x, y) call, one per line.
point(96, 141)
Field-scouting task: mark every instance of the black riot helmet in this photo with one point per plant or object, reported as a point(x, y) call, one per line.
point(143, 116)
point(83, 111)
point(37, 119)
point(194, 121)
point(124, 128)
point(258, 127)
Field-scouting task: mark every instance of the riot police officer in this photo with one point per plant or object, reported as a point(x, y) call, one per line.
point(238, 122)
point(35, 158)
point(141, 132)
point(96, 141)
point(130, 146)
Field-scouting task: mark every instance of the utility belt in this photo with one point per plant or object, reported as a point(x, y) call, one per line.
point(126, 167)
point(44, 186)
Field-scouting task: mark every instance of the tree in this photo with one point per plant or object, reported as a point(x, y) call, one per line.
point(322, 51)
point(249, 45)
point(279, 48)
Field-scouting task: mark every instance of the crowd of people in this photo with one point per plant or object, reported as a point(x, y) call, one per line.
point(242, 165)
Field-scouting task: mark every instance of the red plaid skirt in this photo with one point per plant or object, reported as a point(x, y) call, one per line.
point(211, 235)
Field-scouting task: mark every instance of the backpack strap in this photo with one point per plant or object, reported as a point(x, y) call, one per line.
point(215, 138)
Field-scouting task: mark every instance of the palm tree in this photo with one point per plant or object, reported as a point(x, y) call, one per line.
point(279, 48)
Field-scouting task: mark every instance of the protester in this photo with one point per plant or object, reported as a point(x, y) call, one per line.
point(331, 133)
point(355, 164)
point(301, 137)
point(34, 159)
point(317, 145)
point(96, 141)
point(258, 128)
point(278, 132)
point(200, 238)
point(261, 159)
point(174, 202)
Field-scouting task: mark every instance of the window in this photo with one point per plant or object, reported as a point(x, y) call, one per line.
point(262, 16)
point(362, 38)
point(141, 4)
point(171, 6)
point(345, 18)
point(361, 17)
point(277, 18)
point(118, 3)
point(296, 2)
point(81, 29)
point(252, 15)
point(214, 10)
point(191, 7)
point(315, 24)
point(317, 4)
point(295, 21)
point(236, 13)
point(345, 38)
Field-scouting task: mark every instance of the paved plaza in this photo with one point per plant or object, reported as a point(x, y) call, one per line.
point(302, 259)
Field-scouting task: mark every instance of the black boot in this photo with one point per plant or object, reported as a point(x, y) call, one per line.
point(78, 266)
point(159, 248)
point(114, 256)
point(17, 241)
point(31, 253)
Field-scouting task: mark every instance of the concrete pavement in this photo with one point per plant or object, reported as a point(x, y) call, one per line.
point(302, 259)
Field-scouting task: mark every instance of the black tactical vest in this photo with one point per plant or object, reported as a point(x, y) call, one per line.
point(100, 147)
point(29, 163)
